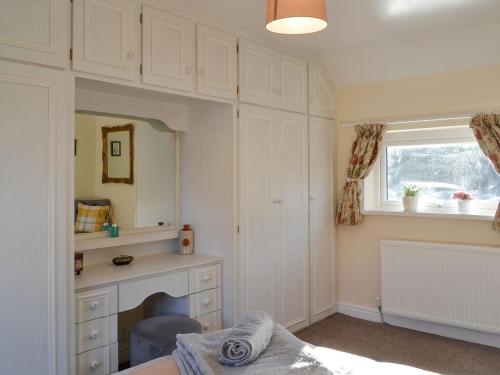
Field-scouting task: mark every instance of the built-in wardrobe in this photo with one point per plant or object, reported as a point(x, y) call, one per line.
point(286, 207)
point(256, 161)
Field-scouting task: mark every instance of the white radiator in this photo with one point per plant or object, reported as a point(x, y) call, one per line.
point(448, 284)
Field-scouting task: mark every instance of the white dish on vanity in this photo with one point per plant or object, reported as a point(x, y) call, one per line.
point(102, 291)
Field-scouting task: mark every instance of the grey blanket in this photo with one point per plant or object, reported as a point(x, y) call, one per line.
point(198, 354)
point(247, 339)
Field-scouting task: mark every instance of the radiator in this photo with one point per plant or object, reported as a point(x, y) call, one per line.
point(448, 284)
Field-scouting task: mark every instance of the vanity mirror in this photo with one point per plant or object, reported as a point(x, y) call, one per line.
point(126, 172)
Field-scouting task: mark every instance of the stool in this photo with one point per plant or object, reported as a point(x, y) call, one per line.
point(155, 337)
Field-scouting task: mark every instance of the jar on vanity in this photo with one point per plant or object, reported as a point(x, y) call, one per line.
point(186, 239)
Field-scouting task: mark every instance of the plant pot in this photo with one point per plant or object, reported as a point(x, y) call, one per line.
point(464, 206)
point(410, 204)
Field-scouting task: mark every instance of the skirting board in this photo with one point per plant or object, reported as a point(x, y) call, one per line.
point(458, 333)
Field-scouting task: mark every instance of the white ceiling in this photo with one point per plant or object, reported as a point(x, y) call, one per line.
point(378, 40)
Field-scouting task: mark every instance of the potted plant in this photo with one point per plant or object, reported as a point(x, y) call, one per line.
point(410, 197)
point(463, 200)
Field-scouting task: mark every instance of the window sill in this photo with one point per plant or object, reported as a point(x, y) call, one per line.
point(481, 216)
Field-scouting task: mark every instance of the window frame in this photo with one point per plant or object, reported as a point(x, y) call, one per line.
point(376, 184)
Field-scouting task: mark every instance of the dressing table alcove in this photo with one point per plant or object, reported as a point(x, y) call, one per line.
point(109, 299)
point(103, 291)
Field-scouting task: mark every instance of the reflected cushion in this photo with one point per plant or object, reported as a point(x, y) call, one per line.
point(90, 218)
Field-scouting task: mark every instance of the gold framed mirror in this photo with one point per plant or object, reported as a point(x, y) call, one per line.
point(118, 154)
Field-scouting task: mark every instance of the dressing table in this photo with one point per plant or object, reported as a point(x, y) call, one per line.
point(103, 291)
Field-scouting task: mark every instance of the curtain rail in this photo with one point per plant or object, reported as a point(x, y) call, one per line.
point(416, 121)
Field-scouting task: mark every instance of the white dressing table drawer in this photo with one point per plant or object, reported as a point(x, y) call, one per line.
point(204, 278)
point(133, 293)
point(211, 322)
point(94, 362)
point(96, 333)
point(96, 303)
point(205, 302)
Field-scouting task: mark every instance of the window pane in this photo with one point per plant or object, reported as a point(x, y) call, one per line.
point(440, 170)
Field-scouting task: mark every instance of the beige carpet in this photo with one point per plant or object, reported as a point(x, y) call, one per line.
point(386, 343)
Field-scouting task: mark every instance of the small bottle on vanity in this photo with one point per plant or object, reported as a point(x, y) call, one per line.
point(115, 230)
point(186, 239)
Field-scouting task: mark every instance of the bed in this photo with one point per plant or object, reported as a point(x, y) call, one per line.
point(348, 364)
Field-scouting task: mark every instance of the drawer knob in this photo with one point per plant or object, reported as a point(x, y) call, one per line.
point(206, 327)
point(206, 302)
point(206, 277)
point(95, 365)
point(94, 305)
point(94, 334)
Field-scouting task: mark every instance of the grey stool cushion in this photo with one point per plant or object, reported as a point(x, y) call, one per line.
point(155, 337)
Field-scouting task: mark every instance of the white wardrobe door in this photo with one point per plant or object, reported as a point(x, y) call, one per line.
point(320, 92)
point(293, 84)
point(35, 31)
point(168, 49)
point(259, 207)
point(294, 246)
point(217, 63)
point(258, 74)
point(103, 37)
point(322, 225)
point(33, 241)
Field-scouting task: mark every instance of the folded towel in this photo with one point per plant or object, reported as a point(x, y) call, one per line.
point(198, 355)
point(247, 339)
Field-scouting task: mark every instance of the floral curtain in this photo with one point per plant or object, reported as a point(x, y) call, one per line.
point(486, 128)
point(364, 153)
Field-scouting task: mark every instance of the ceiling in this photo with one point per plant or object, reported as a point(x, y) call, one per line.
point(378, 40)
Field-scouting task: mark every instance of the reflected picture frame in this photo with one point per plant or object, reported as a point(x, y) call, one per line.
point(107, 153)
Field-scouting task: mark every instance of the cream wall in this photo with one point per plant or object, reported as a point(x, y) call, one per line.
point(442, 94)
point(85, 134)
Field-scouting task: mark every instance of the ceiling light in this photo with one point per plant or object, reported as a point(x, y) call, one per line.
point(296, 16)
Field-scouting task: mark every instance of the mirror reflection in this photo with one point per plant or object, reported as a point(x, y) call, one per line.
point(125, 172)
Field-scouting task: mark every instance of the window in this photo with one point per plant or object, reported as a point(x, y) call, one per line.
point(440, 161)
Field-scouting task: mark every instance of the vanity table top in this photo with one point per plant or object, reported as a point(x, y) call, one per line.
point(106, 274)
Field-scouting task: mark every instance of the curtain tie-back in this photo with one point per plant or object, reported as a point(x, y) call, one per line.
point(355, 179)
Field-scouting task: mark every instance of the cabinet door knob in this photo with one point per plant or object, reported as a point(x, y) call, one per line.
point(188, 69)
point(206, 302)
point(94, 305)
point(94, 334)
point(206, 277)
point(130, 55)
point(95, 365)
point(201, 73)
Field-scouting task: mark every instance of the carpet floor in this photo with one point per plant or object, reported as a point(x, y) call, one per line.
point(385, 343)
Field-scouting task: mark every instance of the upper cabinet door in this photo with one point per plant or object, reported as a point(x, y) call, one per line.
point(258, 74)
point(216, 63)
point(320, 92)
point(293, 84)
point(103, 37)
point(167, 50)
point(35, 31)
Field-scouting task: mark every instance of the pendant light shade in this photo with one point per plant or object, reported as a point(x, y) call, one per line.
point(296, 16)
